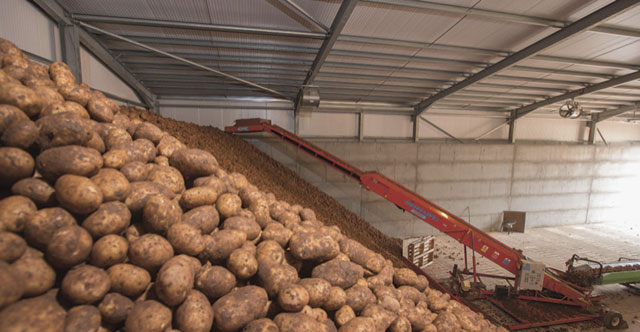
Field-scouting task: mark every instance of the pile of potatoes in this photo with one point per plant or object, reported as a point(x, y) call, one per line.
point(110, 224)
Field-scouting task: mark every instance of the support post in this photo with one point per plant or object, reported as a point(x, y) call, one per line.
point(512, 128)
point(416, 128)
point(71, 49)
point(296, 123)
point(592, 128)
point(361, 126)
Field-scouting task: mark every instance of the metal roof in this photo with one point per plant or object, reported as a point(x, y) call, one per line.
point(400, 52)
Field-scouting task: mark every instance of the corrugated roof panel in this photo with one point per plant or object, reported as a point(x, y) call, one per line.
point(552, 9)
point(123, 8)
point(385, 21)
point(628, 19)
point(323, 11)
point(630, 53)
point(351, 46)
point(588, 46)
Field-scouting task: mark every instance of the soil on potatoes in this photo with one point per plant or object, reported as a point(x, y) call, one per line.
point(236, 155)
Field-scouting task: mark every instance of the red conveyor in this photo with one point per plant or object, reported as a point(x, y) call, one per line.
point(443, 220)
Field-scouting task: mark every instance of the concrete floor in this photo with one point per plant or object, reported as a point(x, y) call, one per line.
point(553, 246)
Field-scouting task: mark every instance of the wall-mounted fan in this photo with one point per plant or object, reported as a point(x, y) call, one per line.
point(570, 110)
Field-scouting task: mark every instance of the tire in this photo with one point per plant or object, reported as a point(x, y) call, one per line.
point(613, 320)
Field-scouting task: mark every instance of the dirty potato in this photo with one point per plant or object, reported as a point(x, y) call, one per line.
point(150, 251)
point(36, 275)
point(205, 218)
point(228, 205)
point(39, 191)
point(113, 184)
point(114, 308)
point(185, 239)
point(12, 246)
point(16, 164)
point(82, 318)
point(193, 163)
point(148, 316)
point(160, 213)
point(78, 194)
point(70, 159)
point(128, 280)
point(40, 228)
point(219, 246)
point(215, 281)
point(109, 250)
point(85, 284)
point(69, 246)
point(174, 281)
point(194, 314)
point(236, 309)
point(15, 211)
point(109, 218)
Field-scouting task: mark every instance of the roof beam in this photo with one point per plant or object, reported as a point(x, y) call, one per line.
point(597, 117)
point(346, 8)
point(524, 110)
point(503, 16)
point(579, 26)
point(305, 14)
point(194, 64)
point(196, 26)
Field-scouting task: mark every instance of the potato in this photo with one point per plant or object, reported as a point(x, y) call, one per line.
point(250, 228)
point(243, 263)
point(109, 218)
point(114, 308)
point(205, 218)
point(389, 303)
point(70, 159)
point(109, 250)
point(141, 192)
point(339, 273)
point(220, 245)
point(360, 254)
point(119, 119)
point(12, 246)
point(76, 93)
point(400, 324)
point(174, 281)
point(48, 94)
point(169, 177)
point(78, 194)
point(42, 313)
point(228, 205)
point(359, 324)
point(215, 281)
point(161, 161)
point(21, 97)
point(160, 213)
point(261, 325)
point(336, 299)
point(168, 145)
point(100, 110)
point(278, 233)
point(16, 164)
point(69, 246)
point(85, 284)
point(15, 211)
point(193, 163)
point(141, 150)
point(82, 318)
point(113, 184)
point(64, 107)
point(311, 245)
point(39, 229)
point(115, 158)
point(446, 321)
point(128, 279)
point(358, 297)
point(11, 288)
point(382, 318)
point(236, 309)
point(20, 134)
point(293, 297)
point(10, 115)
point(96, 142)
point(297, 322)
point(405, 276)
point(194, 314)
point(307, 214)
point(185, 239)
point(117, 138)
point(383, 278)
point(39, 191)
point(148, 316)
point(149, 131)
point(274, 277)
point(269, 252)
point(150, 251)
point(318, 290)
point(135, 171)
point(211, 181)
point(35, 274)
point(63, 129)
point(198, 196)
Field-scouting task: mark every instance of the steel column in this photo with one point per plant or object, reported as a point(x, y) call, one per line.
point(512, 128)
point(592, 128)
point(70, 44)
point(581, 25)
point(361, 126)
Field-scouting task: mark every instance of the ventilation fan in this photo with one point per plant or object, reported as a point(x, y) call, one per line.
point(570, 110)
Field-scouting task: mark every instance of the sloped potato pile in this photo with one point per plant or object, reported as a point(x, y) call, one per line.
point(108, 223)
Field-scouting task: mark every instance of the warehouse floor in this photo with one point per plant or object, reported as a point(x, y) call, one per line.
point(553, 246)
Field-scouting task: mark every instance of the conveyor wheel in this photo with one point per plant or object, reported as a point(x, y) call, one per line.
point(613, 320)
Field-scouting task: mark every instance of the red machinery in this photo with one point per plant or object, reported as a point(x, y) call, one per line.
point(554, 289)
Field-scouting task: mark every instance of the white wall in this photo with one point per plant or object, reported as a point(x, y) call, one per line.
point(98, 76)
point(29, 28)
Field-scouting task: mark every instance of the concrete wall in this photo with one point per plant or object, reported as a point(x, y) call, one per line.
point(555, 184)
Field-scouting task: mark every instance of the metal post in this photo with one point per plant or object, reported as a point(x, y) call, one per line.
point(416, 128)
point(512, 128)
point(361, 126)
point(70, 43)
